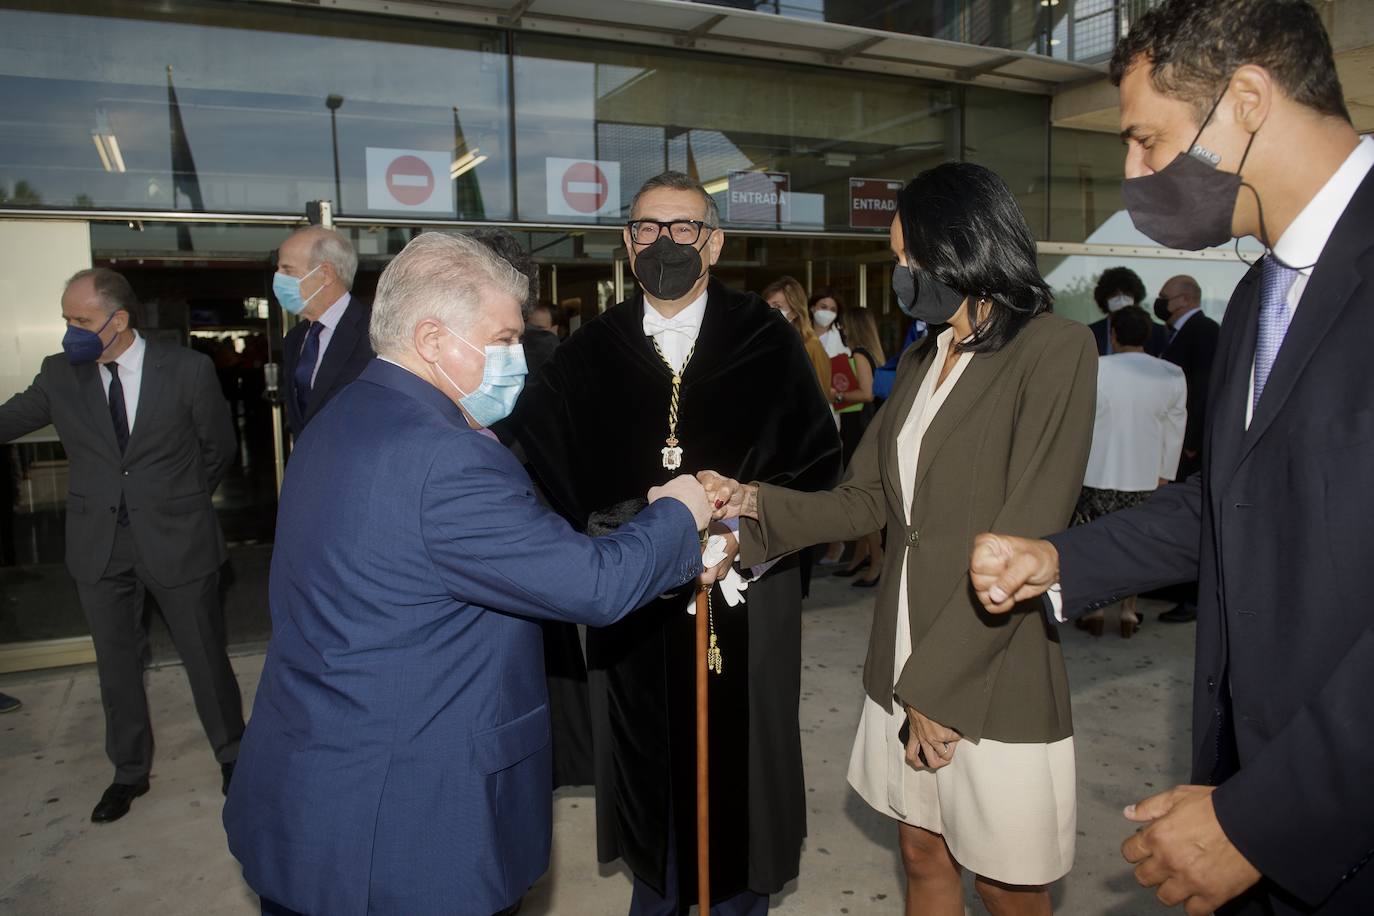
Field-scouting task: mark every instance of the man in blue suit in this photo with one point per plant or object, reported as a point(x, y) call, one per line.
point(398, 760)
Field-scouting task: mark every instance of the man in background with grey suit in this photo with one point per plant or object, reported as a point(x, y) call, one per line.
point(148, 436)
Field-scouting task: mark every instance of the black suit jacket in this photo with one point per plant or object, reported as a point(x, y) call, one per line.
point(1277, 528)
point(1193, 350)
point(349, 352)
point(180, 447)
point(1159, 337)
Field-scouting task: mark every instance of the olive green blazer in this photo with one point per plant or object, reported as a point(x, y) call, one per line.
point(1006, 453)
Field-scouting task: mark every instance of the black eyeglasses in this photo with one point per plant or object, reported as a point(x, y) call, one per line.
point(681, 231)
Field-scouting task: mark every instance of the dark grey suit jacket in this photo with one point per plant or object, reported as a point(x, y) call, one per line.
point(181, 445)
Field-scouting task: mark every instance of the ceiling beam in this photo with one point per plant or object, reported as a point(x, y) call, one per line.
point(968, 74)
point(690, 37)
point(511, 18)
point(843, 55)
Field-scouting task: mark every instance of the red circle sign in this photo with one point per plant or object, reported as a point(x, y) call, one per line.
point(585, 187)
point(410, 180)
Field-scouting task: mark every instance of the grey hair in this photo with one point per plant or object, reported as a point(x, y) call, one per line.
point(678, 181)
point(330, 247)
point(445, 277)
point(112, 289)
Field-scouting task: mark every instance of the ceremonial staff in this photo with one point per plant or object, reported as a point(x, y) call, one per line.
point(703, 767)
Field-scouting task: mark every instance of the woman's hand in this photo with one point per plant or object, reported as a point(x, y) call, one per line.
point(729, 498)
point(932, 739)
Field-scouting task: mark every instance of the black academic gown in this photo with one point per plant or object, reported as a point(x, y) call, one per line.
point(593, 425)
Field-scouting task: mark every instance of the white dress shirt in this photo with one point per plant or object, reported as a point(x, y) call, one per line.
point(1142, 409)
point(1302, 242)
point(130, 364)
point(675, 336)
point(330, 319)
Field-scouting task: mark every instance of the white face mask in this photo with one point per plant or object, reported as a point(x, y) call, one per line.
point(1119, 302)
point(823, 318)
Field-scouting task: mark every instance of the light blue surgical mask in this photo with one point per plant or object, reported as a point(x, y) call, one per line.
point(288, 291)
point(503, 378)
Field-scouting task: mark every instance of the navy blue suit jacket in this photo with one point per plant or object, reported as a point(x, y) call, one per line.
point(1278, 532)
point(398, 759)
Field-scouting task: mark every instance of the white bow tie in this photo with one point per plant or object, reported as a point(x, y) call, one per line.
point(655, 324)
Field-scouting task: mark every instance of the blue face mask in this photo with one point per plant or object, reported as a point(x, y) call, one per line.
point(83, 346)
point(288, 292)
point(503, 378)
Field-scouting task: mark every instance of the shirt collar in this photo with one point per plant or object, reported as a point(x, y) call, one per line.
point(1181, 320)
point(334, 314)
point(1302, 242)
point(689, 319)
point(132, 358)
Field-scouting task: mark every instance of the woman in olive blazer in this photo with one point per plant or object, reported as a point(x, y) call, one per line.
point(988, 429)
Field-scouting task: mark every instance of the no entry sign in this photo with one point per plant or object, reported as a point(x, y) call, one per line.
point(582, 187)
point(872, 202)
point(410, 180)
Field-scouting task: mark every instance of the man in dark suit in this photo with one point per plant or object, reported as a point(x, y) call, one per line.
point(1192, 346)
point(1276, 527)
point(1117, 288)
point(149, 437)
point(398, 757)
point(330, 347)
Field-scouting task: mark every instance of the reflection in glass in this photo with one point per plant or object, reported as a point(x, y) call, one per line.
point(193, 105)
point(638, 112)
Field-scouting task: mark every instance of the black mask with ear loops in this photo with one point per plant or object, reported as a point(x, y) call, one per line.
point(1188, 204)
point(923, 297)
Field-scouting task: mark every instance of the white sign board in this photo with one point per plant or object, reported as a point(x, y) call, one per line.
point(583, 187)
point(413, 180)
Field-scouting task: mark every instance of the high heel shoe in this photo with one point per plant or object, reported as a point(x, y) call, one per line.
point(850, 570)
point(865, 583)
point(1129, 625)
point(1094, 625)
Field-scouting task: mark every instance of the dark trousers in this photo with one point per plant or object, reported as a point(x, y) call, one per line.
point(114, 612)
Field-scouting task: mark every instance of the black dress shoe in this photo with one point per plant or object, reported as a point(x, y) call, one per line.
point(1179, 613)
point(115, 803)
point(226, 770)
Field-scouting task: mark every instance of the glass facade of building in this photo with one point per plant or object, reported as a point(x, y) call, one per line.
point(191, 134)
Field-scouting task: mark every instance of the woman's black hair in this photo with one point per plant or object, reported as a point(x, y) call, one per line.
point(961, 223)
point(1118, 280)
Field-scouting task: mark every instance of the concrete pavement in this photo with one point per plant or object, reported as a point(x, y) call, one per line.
point(168, 855)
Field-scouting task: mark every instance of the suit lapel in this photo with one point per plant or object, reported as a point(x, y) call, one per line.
point(969, 388)
point(1226, 421)
point(341, 344)
point(897, 409)
point(1328, 291)
point(152, 389)
point(93, 396)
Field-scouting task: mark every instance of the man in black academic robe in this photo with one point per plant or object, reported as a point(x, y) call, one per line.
point(595, 426)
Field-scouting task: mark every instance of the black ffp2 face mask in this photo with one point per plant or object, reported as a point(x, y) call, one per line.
point(667, 270)
point(923, 297)
point(1189, 203)
point(1162, 309)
